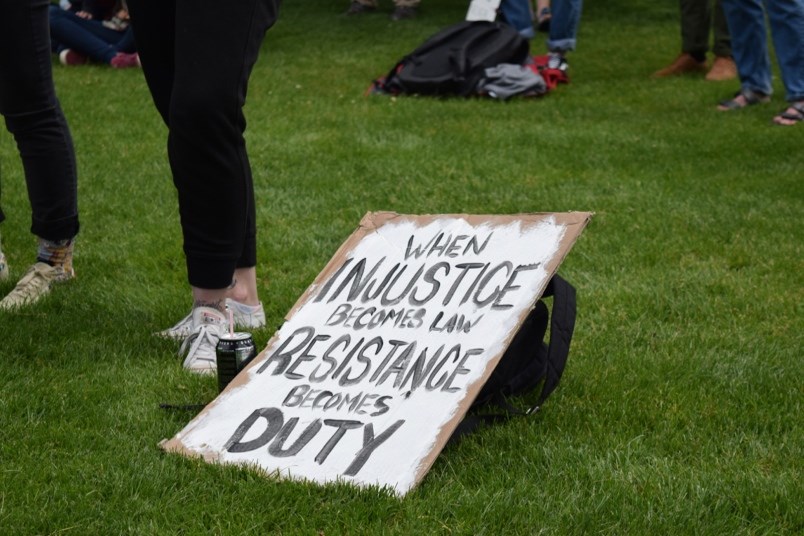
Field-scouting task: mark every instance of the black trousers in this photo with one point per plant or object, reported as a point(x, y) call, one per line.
point(197, 56)
point(32, 114)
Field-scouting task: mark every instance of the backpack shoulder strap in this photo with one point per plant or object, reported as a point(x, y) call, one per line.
point(562, 325)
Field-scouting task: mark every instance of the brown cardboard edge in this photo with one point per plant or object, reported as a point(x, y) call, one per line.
point(368, 223)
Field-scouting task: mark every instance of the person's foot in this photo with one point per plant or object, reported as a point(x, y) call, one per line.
point(208, 325)
point(356, 8)
point(723, 68)
point(403, 13)
point(556, 60)
point(792, 115)
point(743, 98)
point(70, 57)
point(244, 316)
point(684, 64)
point(35, 284)
point(123, 60)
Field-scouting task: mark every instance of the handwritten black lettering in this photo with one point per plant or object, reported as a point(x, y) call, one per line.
point(283, 358)
point(275, 421)
point(331, 281)
point(276, 447)
point(432, 383)
point(456, 323)
point(419, 369)
point(418, 285)
point(277, 432)
point(463, 269)
point(341, 428)
point(460, 369)
point(305, 356)
point(305, 397)
point(449, 247)
point(381, 405)
point(435, 284)
point(509, 285)
point(370, 444)
point(329, 360)
point(362, 358)
point(508, 266)
point(398, 366)
point(296, 395)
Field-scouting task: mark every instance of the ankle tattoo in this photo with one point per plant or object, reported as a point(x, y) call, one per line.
point(213, 304)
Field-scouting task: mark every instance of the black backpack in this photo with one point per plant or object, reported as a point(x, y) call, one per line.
point(453, 61)
point(528, 361)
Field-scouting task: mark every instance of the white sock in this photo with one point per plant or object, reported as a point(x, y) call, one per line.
point(242, 307)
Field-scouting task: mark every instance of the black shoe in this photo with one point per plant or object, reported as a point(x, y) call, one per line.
point(403, 13)
point(356, 8)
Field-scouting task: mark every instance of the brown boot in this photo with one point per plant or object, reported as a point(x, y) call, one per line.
point(683, 64)
point(723, 68)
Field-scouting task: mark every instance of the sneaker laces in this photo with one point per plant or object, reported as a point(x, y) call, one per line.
point(556, 61)
point(202, 340)
point(33, 282)
point(182, 328)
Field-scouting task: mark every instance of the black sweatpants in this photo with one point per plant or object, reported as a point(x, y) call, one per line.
point(197, 56)
point(32, 114)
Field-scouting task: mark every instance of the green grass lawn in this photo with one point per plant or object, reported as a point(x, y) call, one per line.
point(680, 411)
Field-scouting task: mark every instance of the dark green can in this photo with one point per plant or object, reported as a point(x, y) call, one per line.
point(233, 353)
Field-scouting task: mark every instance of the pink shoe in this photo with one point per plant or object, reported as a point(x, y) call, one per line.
point(71, 57)
point(122, 60)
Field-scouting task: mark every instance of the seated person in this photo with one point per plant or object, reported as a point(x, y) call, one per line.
point(93, 30)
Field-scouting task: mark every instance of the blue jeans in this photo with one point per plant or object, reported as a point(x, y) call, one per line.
point(32, 114)
point(750, 48)
point(89, 37)
point(517, 13)
point(564, 24)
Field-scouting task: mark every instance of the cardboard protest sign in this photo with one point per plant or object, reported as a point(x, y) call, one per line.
point(381, 357)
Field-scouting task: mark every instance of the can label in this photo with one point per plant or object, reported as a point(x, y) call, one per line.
point(233, 353)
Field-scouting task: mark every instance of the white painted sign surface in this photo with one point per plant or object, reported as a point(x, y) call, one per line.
point(382, 356)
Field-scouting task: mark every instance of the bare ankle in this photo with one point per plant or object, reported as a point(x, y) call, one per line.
point(244, 287)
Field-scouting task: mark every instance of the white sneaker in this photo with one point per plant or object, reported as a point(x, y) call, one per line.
point(245, 316)
point(35, 284)
point(556, 60)
point(208, 325)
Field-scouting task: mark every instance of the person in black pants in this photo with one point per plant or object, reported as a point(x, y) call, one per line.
point(197, 56)
point(34, 117)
